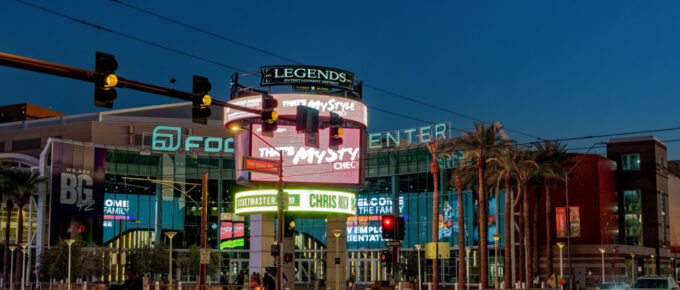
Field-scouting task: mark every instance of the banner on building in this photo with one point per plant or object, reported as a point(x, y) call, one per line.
point(561, 221)
point(77, 181)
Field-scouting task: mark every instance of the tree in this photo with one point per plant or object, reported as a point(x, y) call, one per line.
point(505, 166)
point(22, 183)
point(149, 260)
point(95, 262)
point(191, 261)
point(480, 145)
point(525, 168)
point(550, 158)
point(434, 169)
point(54, 260)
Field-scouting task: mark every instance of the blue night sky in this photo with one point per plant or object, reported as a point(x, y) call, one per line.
point(546, 68)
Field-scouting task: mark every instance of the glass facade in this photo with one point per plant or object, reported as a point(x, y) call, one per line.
point(632, 205)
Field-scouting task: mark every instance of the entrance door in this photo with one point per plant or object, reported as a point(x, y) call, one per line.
point(235, 266)
point(308, 270)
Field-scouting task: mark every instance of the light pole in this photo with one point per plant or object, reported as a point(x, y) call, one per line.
point(170, 236)
point(467, 267)
point(602, 251)
point(495, 261)
point(337, 234)
point(279, 203)
point(561, 245)
point(672, 271)
point(69, 242)
point(23, 264)
point(418, 247)
point(632, 269)
point(653, 264)
point(568, 212)
point(11, 266)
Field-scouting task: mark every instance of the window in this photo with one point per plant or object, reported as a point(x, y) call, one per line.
point(662, 166)
point(631, 161)
point(26, 144)
point(632, 201)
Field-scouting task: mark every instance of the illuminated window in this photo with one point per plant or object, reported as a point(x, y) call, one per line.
point(632, 205)
point(631, 161)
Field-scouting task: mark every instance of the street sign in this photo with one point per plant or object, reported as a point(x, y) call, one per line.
point(276, 250)
point(261, 165)
point(205, 256)
point(392, 243)
point(441, 250)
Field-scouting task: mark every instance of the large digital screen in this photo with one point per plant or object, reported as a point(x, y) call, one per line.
point(302, 164)
point(140, 212)
point(349, 110)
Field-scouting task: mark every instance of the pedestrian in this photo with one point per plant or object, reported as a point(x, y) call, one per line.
point(268, 282)
point(239, 279)
point(133, 282)
point(223, 279)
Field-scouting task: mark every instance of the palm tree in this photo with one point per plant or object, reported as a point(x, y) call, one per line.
point(525, 168)
point(434, 169)
point(505, 166)
point(550, 158)
point(480, 145)
point(23, 183)
point(9, 196)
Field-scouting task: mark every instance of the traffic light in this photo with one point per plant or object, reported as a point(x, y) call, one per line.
point(399, 227)
point(386, 257)
point(335, 136)
point(388, 227)
point(105, 80)
point(289, 226)
point(269, 115)
point(200, 100)
point(288, 258)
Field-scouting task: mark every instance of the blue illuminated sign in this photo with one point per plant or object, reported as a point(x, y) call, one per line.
point(167, 138)
point(140, 212)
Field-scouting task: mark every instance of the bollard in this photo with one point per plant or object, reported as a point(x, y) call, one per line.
point(179, 285)
point(429, 286)
point(542, 284)
point(455, 286)
point(158, 286)
point(85, 285)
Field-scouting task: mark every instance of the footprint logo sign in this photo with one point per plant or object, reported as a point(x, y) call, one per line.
point(169, 140)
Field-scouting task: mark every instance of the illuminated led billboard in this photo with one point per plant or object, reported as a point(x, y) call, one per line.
point(299, 200)
point(302, 164)
point(349, 110)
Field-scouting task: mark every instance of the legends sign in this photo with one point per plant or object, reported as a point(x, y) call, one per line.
point(298, 75)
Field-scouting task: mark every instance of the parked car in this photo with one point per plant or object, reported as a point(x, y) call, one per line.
point(615, 286)
point(657, 282)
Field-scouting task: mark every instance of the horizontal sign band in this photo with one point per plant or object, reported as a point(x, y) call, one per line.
point(299, 200)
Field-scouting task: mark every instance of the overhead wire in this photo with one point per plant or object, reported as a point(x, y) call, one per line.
point(222, 37)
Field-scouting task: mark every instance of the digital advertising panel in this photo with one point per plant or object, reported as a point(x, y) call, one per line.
point(349, 110)
point(302, 164)
point(299, 200)
point(140, 212)
point(561, 221)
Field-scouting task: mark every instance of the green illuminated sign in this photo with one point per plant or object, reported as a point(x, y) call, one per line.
point(299, 200)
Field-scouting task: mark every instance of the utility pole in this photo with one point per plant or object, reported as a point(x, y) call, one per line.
point(204, 221)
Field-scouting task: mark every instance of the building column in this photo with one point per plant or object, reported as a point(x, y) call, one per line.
point(333, 224)
point(261, 240)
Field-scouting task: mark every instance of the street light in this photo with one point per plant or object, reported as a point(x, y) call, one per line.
point(653, 264)
point(23, 264)
point(170, 236)
point(69, 242)
point(561, 245)
point(568, 212)
point(672, 272)
point(280, 201)
point(602, 251)
point(420, 282)
point(495, 261)
point(11, 266)
point(337, 234)
point(632, 268)
point(467, 267)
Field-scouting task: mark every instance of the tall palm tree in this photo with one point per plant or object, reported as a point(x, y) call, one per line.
point(550, 158)
point(505, 166)
point(525, 168)
point(23, 183)
point(434, 169)
point(8, 196)
point(481, 144)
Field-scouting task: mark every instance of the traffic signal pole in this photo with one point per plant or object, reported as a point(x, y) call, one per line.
point(90, 76)
point(204, 223)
